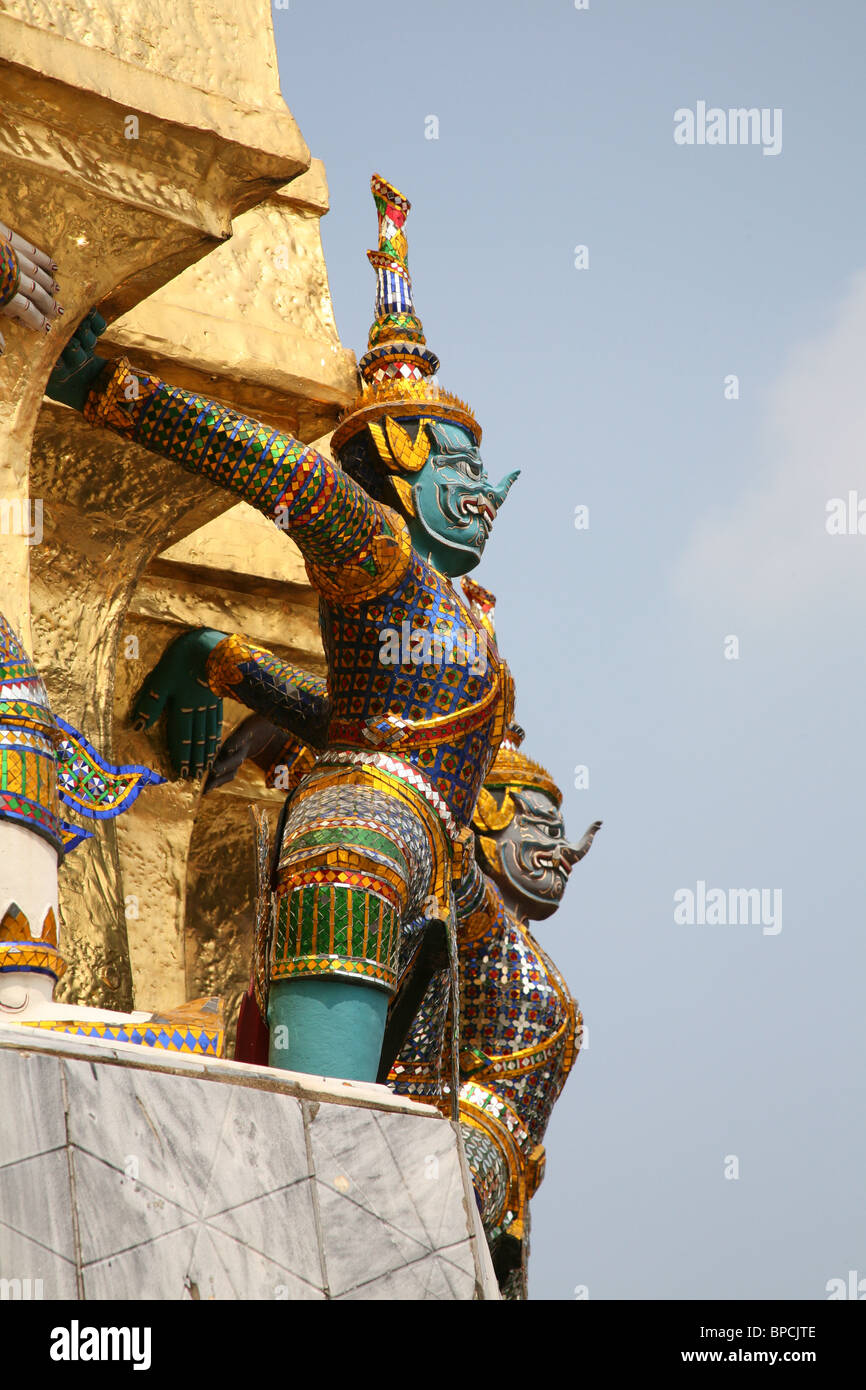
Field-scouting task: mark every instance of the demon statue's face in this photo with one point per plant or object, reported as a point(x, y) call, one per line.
point(453, 500)
point(533, 853)
point(521, 844)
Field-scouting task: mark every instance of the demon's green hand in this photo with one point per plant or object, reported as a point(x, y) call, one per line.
point(78, 367)
point(177, 686)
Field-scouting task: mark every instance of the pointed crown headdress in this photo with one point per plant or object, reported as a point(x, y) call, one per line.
point(398, 369)
point(510, 770)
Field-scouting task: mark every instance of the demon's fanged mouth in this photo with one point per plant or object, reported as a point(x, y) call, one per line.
point(477, 505)
point(550, 861)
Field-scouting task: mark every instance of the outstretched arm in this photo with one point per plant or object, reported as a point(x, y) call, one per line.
point(331, 518)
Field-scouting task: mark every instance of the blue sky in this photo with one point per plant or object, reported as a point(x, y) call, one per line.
point(606, 387)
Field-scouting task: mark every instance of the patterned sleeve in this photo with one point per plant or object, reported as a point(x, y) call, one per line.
point(326, 512)
point(286, 695)
point(10, 273)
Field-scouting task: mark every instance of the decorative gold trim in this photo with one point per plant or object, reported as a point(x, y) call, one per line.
point(535, 1166)
point(49, 928)
point(489, 816)
point(511, 768)
point(15, 926)
point(404, 492)
point(102, 406)
point(222, 668)
point(442, 847)
point(410, 454)
point(32, 955)
point(490, 849)
point(516, 1163)
point(402, 397)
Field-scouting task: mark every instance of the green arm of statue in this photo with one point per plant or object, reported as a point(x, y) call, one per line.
point(332, 520)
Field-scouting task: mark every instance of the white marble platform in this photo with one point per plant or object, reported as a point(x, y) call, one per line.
point(128, 1173)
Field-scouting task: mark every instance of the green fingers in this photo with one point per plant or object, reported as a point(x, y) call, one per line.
point(179, 729)
point(151, 702)
point(213, 733)
point(194, 735)
point(192, 748)
point(78, 367)
point(89, 332)
point(177, 688)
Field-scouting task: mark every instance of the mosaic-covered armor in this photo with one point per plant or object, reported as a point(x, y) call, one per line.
point(519, 1028)
point(416, 699)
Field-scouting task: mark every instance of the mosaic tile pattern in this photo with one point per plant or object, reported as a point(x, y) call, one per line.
point(398, 369)
point(92, 787)
point(10, 273)
point(517, 1024)
point(354, 861)
point(489, 1172)
point(28, 787)
point(291, 698)
point(206, 1042)
point(328, 515)
point(45, 762)
point(519, 1034)
point(444, 719)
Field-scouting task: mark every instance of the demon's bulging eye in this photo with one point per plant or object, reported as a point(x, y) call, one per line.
point(553, 829)
point(469, 467)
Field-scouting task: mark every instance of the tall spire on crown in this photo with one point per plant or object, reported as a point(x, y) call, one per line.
point(396, 343)
point(398, 369)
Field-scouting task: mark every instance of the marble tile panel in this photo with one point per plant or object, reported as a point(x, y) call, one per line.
point(31, 1106)
point(159, 1270)
point(35, 1200)
point(227, 1269)
point(166, 1129)
point(261, 1147)
point(21, 1258)
point(115, 1212)
point(408, 1172)
point(430, 1278)
point(280, 1226)
point(358, 1244)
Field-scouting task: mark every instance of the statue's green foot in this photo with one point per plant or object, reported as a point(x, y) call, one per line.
point(327, 1027)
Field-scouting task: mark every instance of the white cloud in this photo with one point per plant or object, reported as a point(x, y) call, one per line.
point(771, 552)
